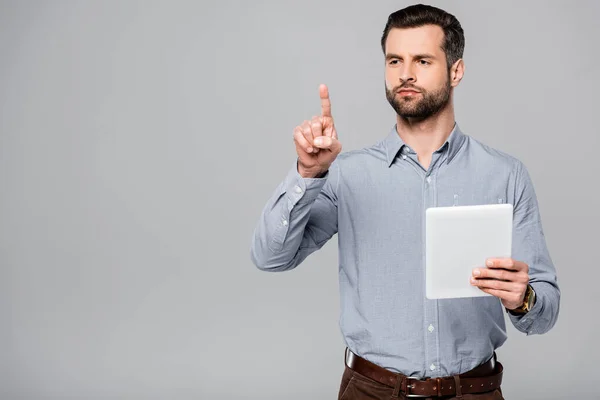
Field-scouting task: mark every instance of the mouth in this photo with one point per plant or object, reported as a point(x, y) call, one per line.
point(407, 92)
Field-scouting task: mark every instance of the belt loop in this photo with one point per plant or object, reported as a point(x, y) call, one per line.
point(458, 389)
point(438, 383)
point(399, 382)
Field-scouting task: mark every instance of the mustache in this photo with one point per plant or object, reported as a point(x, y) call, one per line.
point(407, 87)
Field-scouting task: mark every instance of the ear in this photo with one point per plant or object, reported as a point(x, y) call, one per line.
point(456, 72)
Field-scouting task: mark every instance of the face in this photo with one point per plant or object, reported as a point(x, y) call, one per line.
point(417, 81)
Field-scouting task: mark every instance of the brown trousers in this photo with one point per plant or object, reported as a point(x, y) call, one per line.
point(355, 386)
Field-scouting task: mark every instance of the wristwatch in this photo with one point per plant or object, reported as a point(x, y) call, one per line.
point(528, 302)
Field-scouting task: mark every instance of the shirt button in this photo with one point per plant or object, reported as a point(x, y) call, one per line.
point(428, 179)
point(284, 222)
point(404, 156)
point(430, 329)
point(298, 189)
point(432, 367)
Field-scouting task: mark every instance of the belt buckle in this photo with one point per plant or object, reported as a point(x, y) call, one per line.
point(408, 387)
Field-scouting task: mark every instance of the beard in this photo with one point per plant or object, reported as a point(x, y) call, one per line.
point(421, 108)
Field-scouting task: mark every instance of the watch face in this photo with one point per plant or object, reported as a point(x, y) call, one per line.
point(530, 299)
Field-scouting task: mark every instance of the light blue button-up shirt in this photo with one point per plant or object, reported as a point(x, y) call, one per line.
point(375, 200)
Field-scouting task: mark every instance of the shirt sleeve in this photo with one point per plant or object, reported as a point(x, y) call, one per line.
point(298, 219)
point(529, 246)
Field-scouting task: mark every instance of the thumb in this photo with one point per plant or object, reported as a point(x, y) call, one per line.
point(327, 142)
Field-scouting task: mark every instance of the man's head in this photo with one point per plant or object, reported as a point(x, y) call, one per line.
point(423, 48)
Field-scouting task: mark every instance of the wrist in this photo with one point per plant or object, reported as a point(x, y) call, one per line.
point(311, 173)
point(528, 303)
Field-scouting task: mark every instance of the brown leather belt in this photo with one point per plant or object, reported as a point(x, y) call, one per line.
point(484, 378)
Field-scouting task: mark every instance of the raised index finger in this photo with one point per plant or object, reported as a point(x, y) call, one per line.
point(325, 102)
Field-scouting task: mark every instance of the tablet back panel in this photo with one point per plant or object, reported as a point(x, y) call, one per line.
point(459, 239)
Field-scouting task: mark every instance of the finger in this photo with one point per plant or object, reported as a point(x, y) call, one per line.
point(328, 127)
point(329, 143)
point(496, 284)
point(506, 263)
point(496, 273)
point(501, 275)
point(316, 127)
point(325, 102)
point(501, 294)
point(307, 132)
point(301, 140)
point(507, 297)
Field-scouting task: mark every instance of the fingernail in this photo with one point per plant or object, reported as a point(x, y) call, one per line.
point(473, 280)
point(319, 141)
point(310, 149)
point(476, 272)
point(489, 263)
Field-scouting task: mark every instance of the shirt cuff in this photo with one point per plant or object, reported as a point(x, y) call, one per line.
point(524, 322)
point(301, 190)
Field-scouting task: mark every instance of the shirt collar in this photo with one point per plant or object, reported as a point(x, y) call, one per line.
point(394, 143)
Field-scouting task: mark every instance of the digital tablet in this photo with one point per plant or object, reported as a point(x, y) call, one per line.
point(461, 238)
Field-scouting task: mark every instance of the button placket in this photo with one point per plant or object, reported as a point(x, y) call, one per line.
point(430, 305)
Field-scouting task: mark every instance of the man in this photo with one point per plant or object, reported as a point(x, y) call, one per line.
point(399, 343)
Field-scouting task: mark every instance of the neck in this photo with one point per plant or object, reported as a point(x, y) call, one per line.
point(427, 135)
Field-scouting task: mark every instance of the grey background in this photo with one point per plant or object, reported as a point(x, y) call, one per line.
point(140, 140)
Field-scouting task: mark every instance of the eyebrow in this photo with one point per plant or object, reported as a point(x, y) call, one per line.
point(417, 56)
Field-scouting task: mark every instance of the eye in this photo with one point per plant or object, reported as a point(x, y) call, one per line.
point(423, 62)
point(394, 61)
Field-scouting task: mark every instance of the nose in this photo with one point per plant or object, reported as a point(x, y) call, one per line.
point(407, 74)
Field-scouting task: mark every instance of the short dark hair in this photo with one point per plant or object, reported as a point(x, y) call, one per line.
point(419, 15)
